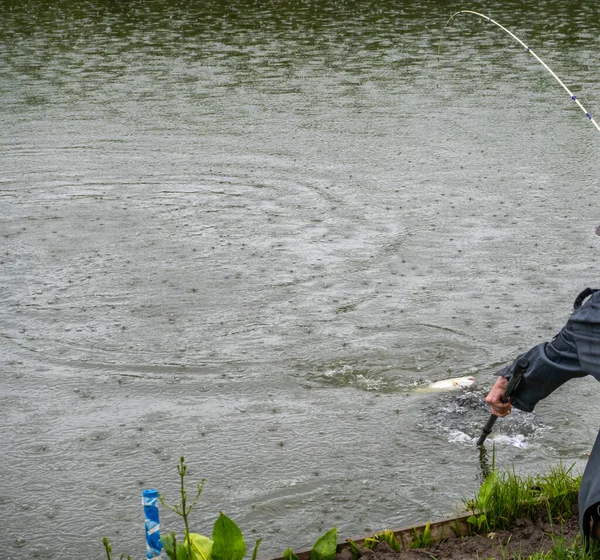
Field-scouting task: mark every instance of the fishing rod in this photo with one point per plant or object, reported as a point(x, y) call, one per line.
point(528, 49)
point(520, 369)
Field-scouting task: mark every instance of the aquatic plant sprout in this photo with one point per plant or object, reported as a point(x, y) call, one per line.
point(528, 49)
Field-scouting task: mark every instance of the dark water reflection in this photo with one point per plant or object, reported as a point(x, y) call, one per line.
point(246, 232)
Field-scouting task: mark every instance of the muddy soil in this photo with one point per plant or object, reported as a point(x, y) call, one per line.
point(524, 538)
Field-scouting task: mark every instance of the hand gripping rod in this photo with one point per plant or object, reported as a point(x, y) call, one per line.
point(520, 370)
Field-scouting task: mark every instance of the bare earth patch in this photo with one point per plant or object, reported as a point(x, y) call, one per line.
point(524, 538)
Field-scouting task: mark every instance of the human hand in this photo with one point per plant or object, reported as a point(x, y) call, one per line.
point(494, 398)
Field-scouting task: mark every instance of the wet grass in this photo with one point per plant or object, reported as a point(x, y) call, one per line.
point(505, 497)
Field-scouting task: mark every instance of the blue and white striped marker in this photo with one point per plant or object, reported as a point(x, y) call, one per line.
point(153, 544)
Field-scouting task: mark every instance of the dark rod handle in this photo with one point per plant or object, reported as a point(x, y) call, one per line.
point(520, 370)
point(487, 429)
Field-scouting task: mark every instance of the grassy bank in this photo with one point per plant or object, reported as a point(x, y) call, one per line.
point(506, 497)
point(503, 500)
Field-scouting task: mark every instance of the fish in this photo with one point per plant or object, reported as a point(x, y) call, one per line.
point(448, 385)
point(454, 383)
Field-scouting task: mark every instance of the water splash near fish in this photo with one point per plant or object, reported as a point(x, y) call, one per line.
point(518, 440)
point(514, 441)
point(460, 416)
point(353, 375)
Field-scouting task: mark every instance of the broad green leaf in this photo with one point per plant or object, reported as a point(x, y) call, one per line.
point(487, 489)
point(228, 542)
point(201, 547)
point(289, 555)
point(324, 548)
point(182, 552)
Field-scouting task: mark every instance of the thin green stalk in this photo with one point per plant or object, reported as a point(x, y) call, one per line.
point(182, 509)
point(107, 548)
point(181, 468)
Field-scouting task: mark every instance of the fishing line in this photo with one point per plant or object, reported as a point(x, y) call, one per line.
point(527, 49)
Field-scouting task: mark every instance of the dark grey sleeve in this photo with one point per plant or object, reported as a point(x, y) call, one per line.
point(550, 365)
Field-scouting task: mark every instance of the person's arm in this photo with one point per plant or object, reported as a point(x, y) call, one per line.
point(551, 365)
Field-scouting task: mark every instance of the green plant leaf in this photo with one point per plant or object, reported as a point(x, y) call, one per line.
point(255, 551)
point(354, 549)
point(182, 552)
point(371, 542)
point(422, 539)
point(289, 555)
point(107, 548)
point(324, 548)
point(389, 537)
point(201, 546)
point(228, 542)
point(425, 540)
point(171, 547)
point(487, 489)
point(168, 543)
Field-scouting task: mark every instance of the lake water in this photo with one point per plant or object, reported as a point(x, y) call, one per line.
point(247, 233)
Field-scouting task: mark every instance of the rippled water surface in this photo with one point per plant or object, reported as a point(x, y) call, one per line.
point(249, 233)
